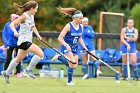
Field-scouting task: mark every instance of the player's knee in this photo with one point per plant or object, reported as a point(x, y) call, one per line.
point(41, 54)
point(18, 59)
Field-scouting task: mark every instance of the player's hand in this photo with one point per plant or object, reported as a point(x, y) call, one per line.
point(16, 34)
point(128, 47)
point(68, 47)
point(85, 49)
point(131, 39)
point(39, 37)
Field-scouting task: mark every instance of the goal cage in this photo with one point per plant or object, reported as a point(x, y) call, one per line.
point(111, 23)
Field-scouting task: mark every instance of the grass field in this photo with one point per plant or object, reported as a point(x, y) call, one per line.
point(57, 85)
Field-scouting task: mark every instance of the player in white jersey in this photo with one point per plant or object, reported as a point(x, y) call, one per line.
point(25, 45)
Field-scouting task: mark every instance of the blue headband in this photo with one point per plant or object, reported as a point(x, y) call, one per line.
point(77, 15)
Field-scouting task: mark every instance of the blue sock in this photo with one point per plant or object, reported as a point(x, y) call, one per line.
point(61, 58)
point(96, 64)
point(135, 69)
point(70, 74)
point(124, 70)
point(85, 68)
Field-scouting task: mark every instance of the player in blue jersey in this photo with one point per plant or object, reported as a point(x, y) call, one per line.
point(70, 37)
point(129, 36)
point(87, 36)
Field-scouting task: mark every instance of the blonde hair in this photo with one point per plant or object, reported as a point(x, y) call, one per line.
point(68, 11)
point(27, 6)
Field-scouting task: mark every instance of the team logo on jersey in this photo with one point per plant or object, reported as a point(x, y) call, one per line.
point(76, 34)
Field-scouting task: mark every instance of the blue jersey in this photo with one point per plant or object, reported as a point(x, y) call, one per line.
point(72, 38)
point(5, 34)
point(131, 43)
point(12, 41)
point(87, 36)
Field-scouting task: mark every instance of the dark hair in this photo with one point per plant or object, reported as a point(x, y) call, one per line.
point(130, 18)
point(68, 11)
point(27, 6)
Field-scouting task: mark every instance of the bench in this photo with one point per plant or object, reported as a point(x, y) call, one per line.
point(49, 53)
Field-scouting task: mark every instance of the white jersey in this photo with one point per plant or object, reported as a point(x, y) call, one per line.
point(25, 32)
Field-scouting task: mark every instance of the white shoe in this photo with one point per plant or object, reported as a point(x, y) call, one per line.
point(55, 57)
point(23, 74)
point(70, 84)
point(85, 76)
point(98, 72)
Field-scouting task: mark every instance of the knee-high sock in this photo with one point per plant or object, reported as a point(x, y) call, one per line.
point(124, 70)
point(11, 66)
point(85, 68)
point(61, 58)
point(70, 74)
point(135, 69)
point(96, 63)
point(34, 61)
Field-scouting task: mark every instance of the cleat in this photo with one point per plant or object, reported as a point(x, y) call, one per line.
point(70, 84)
point(85, 76)
point(29, 73)
point(98, 72)
point(6, 77)
point(55, 57)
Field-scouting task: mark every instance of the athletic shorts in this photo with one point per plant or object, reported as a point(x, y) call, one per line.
point(25, 45)
point(74, 50)
point(124, 49)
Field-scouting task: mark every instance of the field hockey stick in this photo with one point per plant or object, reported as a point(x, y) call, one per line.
point(57, 51)
point(128, 66)
point(103, 62)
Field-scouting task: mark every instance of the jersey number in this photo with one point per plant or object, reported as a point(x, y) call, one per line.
point(75, 40)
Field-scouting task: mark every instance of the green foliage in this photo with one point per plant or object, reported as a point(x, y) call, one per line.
point(48, 18)
point(136, 15)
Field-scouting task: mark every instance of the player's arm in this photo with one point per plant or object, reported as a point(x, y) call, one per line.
point(4, 34)
point(62, 35)
point(90, 32)
point(82, 43)
point(122, 39)
point(36, 32)
point(135, 36)
point(123, 36)
point(81, 40)
point(17, 21)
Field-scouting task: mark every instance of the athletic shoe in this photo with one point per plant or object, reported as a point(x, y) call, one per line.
point(85, 76)
point(6, 77)
point(125, 78)
point(29, 73)
point(55, 57)
point(23, 74)
point(70, 84)
point(98, 72)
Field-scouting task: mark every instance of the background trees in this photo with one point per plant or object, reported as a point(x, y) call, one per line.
point(49, 19)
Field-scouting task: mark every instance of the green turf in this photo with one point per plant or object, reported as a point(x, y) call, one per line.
point(49, 85)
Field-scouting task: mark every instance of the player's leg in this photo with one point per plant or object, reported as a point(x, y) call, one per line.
point(133, 58)
point(8, 57)
point(98, 71)
point(60, 58)
point(35, 59)
point(84, 65)
point(20, 56)
point(124, 66)
point(18, 66)
point(70, 69)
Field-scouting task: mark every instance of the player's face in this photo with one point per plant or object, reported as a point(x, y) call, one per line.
point(34, 10)
point(130, 23)
point(85, 23)
point(79, 19)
